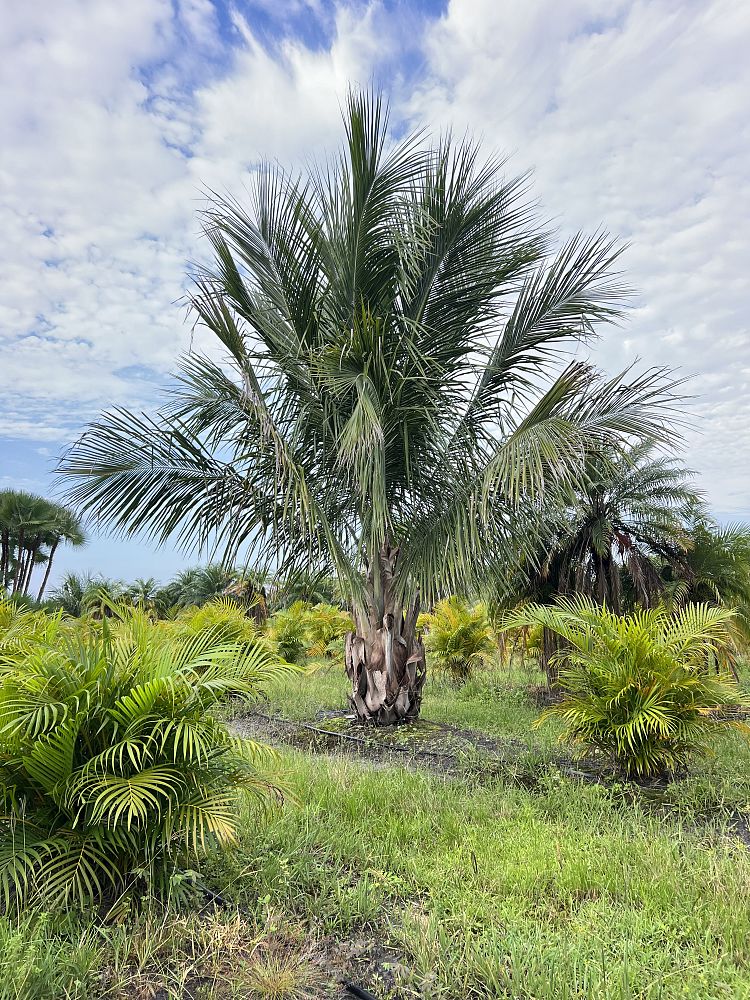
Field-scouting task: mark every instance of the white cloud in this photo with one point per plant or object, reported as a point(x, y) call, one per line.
point(111, 145)
point(633, 116)
point(114, 115)
point(200, 19)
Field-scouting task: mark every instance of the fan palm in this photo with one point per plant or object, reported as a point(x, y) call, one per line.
point(64, 527)
point(29, 524)
point(24, 522)
point(391, 388)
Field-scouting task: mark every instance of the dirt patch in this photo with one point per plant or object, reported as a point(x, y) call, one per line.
point(463, 754)
point(437, 746)
point(280, 959)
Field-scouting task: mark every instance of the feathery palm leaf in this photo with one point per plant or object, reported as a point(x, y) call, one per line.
point(392, 326)
point(640, 690)
point(110, 759)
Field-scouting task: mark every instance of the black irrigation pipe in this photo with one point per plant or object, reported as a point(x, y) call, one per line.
point(352, 739)
point(357, 991)
point(565, 769)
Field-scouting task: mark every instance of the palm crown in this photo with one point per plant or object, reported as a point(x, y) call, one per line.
point(29, 525)
point(388, 322)
point(392, 324)
point(630, 512)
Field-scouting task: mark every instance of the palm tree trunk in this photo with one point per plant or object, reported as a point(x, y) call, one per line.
point(48, 568)
point(4, 557)
point(547, 657)
point(19, 562)
point(385, 659)
point(30, 563)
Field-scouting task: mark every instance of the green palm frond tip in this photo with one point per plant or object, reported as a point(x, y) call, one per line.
point(643, 691)
point(111, 759)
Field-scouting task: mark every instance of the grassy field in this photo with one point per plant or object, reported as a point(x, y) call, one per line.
point(488, 881)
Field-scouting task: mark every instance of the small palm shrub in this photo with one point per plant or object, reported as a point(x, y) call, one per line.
point(326, 626)
point(458, 637)
point(288, 630)
point(19, 626)
point(223, 617)
point(111, 761)
point(313, 630)
point(639, 690)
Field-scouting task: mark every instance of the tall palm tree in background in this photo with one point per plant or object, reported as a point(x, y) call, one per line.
point(23, 516)
point(64, 528)
point(716, 570)
point(627, 518)
point(391, 387)
point(612, 537)
point(31, 529)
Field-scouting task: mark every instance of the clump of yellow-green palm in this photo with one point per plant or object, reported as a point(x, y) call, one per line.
point(458, 636)
point(642, 690)
point(21, 627)
point(327, 624)
point(309, 630)
point(224, 616)
point(112, 763)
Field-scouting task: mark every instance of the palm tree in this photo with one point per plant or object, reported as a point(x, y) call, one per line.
point(636, 688)
point(311, 586)
point(200, 584)
point(87, 594)
point(626, 518)
point(392, 325)
point(718, 562)
point(24, 519)
point(29, 524)
point(716, 570)
point(611, 536)
point(459, 637)
point(142, 592)
point(71, 594)
point(64, 527)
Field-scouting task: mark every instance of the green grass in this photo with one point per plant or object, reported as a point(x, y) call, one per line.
point(475, 885)
point(495, 891)
point(493, 701)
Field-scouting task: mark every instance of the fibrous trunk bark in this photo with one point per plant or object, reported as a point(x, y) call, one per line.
point(385, 658)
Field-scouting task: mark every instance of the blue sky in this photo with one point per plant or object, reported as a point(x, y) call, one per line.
point(116, 116)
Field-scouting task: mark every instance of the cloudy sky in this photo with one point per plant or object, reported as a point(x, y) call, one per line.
point(115, 116)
